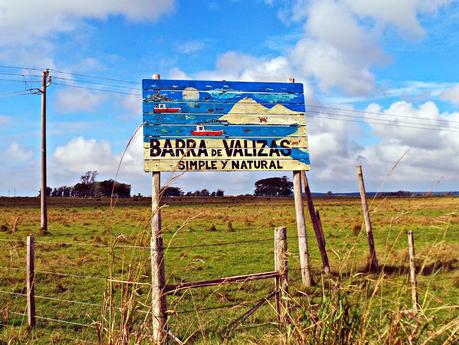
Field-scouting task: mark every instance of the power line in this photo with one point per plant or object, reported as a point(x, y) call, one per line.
point(395, 122)
point(357, 120)
point(378, 113)
point(95, 77)
point(20, 80)
point(97, 83)
point(340, 114)
point(97, 89)
point(21, 67)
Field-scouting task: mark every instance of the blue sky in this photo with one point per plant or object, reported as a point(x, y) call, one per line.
point(380, 78)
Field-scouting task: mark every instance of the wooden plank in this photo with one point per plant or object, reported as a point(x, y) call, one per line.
point(224, 131)
point(224, 165)
point(225, 143)
point(161, 96)
point(165, 84)
point(266, 153)
point(193, 118)
point(233, 279)
point(250, 106)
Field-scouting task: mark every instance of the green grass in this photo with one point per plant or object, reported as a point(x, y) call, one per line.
point(337, 310)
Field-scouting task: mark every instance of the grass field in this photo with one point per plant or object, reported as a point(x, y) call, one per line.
point(222, 239)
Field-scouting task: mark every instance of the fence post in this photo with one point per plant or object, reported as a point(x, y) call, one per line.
point(315, 224)
point(322, 237)
point(301, 228)
point(414, 294)
point(281, 266)
point(158, 279)
point(30, 282)
point(374, 266)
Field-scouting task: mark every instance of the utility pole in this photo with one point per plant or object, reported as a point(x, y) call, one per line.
point(43, 204)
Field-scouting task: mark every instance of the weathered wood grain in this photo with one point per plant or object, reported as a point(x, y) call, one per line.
point(208, 118)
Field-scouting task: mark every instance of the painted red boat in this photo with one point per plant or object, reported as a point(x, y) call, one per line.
point(161, 108)
point(201, 131)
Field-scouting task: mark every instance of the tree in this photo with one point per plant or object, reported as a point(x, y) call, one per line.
point(172, 191)
point(86, 186)
point(273, 186)
point(204, 192)
point(89, 177)
point(49, 191)
point(106, 187)
point(220, 192)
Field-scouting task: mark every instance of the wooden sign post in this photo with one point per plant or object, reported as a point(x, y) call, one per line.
point(306, 275)
point(158, 279)
point(201, 125)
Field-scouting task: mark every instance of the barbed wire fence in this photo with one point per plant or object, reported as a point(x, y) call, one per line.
point(40, 273)
point(18, 298)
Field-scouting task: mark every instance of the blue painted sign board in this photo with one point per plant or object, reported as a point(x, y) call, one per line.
point(198, 125)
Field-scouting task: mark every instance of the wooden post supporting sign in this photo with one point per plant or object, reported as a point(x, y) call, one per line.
point(158, 280)
point(301, 228)
point(316, 224)
point(373, 266)
point(306, 275)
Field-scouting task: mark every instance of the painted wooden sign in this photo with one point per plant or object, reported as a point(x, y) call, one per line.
point(192, 125)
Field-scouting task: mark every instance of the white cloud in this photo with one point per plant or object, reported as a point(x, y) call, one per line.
point(451, 94)
point(72, 159)
point(75, 99)
point(401, 14)
point(17, 152)
point(332, 68)
point(190, 47)
point(26, 20)
point(431, 152)
point(340, 43)
point(133, 104)
point(80, 155)
point(408, 123)
point(234, 65)
point(338, 48)
point(177, 73)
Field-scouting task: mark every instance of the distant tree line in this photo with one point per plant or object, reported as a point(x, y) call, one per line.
point(176, 191)
point(89, 187)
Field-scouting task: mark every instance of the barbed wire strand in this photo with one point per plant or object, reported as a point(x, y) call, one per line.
point(64, 321)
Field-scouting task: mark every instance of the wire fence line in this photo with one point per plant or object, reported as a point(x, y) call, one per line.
point(112, 279)
point(51, 298)
point(80, 243)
